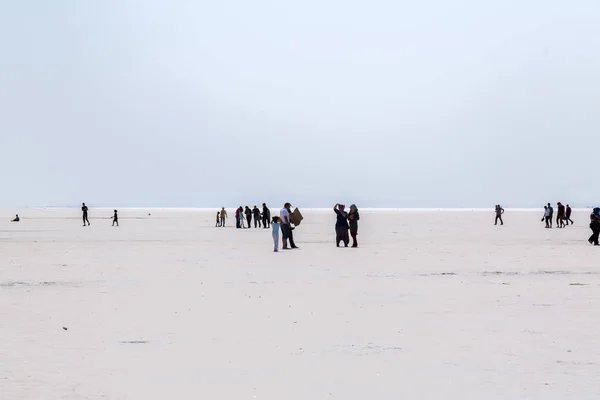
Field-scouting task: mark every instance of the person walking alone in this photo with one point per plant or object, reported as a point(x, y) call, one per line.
point(115, 219)
point(499, 212)
point(353, 218)
point(84, 210)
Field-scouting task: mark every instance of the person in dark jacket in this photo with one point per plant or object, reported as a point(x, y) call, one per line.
point(248, 213)
point(353, 218)
point(499, 212)
point(568, 215)
point(256, 215)
point(341, 225)
point(595, 226)
point(266, 216)
point(560, 215)
point(84, 211)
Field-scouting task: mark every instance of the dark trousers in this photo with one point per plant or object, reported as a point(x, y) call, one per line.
point(595, 227)
point(238, 222)
point(222, 221)
point(292, 244)
point(568, 219)
point(257, 221)
point(249, 220)
point(85, 219)
point(354, 241)
point(266, 222)
point(341, 235)
point(499, 217)
point(115, 221)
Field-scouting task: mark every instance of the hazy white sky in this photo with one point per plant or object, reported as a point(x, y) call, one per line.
point(382, 103)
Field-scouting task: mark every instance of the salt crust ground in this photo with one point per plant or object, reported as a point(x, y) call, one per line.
point(434, 305)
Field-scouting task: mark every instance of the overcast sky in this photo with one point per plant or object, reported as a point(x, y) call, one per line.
point(391, 103)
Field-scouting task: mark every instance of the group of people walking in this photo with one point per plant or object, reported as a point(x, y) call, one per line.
point(563, 215)
point(245, 216)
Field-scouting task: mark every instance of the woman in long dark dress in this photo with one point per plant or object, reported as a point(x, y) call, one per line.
point(248, 213)
point(341, 225)
point(353, 217)
point(595, 226)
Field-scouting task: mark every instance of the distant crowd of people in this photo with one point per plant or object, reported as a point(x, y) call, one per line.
point(245, 216)
point(285, 223)
point(563, 219)
point(346, 225)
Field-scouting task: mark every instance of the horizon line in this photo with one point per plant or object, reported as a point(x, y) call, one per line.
point(306, 209)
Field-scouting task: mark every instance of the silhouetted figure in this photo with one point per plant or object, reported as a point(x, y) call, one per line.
point(115, 219)
point(17, 219)
point(223, 216)
point(84, 210)
point(568, 215)
point(248, 213)
point(595, 226)
point(256, 216)
point(266, 216)
point(499, 212)
point(239, 217)
point(353, 218)
point(551, 211)
point(218, 220)
point(560, 215)
point(341, 225)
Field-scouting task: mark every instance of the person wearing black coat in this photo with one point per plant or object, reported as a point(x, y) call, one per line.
point(353, 218)
point(266, 216)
